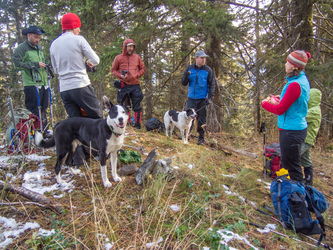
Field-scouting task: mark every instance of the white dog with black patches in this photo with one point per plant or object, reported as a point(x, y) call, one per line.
point(104, 135)
point(182, 120)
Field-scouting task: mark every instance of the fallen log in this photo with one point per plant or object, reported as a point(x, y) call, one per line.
point(231, 149)
point(33, 196)
point(142, 173)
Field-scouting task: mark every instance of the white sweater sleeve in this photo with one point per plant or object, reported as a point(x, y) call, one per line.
point(89, 53)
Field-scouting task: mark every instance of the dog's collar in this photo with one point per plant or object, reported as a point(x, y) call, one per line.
point(112, 131)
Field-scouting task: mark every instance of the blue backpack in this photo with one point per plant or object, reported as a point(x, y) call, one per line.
point(293, 203)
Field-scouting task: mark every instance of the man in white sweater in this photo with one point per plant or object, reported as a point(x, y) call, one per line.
point(69, 52)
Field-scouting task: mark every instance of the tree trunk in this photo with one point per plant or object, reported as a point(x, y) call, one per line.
point(301, 23)
point(148, 86)
point(214, 115)
point(257, 97)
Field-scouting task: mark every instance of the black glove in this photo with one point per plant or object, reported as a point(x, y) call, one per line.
point(207, 101)
point(187, 75)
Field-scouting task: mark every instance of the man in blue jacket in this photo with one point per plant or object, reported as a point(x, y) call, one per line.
point(201, 85)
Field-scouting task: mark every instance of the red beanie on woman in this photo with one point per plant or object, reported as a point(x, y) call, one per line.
point(70, 21)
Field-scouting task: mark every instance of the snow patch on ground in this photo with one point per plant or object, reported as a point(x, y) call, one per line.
point(175, 208)
point(10, 229)
point(227, 236)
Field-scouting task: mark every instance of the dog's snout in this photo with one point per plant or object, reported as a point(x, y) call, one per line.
point(121, 119)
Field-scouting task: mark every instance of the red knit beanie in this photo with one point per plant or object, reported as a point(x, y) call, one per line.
point(70, 21)
point(299, 58)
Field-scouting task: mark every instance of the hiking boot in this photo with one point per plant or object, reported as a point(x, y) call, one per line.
point(308, 176)
point(137, 118)
point(201, 141)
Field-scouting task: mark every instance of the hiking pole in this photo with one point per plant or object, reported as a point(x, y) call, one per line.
point(14, 133)
point(324, 245)
point(36, 72)
point(254, 206)
point(50, 76)
point(263, 130)
point(281, 234)
point(10, 103)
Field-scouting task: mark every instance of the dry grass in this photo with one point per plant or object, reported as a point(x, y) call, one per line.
point(131, 216)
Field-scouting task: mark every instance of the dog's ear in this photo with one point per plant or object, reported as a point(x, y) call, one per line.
point(126, 102)
point(188, 112)
point(107, 104)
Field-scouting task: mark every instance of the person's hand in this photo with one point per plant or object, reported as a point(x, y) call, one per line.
point(268, 99)
point(42, 65)
point(207, 101)
point(275, 100)
point(89, 64)
point(124, 76)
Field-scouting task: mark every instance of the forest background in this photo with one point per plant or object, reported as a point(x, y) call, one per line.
point(247, 41)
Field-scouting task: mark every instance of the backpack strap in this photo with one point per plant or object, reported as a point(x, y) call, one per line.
point(278, 198)
point(319, 218)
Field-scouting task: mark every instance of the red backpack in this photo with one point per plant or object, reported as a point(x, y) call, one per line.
point(24, 140)
point(272, 159)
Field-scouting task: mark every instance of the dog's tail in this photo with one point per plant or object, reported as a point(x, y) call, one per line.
point(39, 141)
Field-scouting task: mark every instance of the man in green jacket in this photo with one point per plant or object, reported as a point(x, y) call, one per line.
point(28, 55)
point(313, 119)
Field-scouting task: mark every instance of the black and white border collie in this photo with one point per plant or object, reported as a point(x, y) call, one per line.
point(104, 135)
point(182, 120)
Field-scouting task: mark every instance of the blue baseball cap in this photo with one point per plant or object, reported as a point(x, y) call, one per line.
point(33, 29)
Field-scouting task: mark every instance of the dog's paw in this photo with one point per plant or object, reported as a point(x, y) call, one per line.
point(107, 184)
point(117, 178)
point(74, 171)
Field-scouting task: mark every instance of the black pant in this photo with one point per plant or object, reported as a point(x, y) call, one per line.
point(200, 108)
point(135, 94)
point(291, 143)
point(31, 102)
point(84, 98)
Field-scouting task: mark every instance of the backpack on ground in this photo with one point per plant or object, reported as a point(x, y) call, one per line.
point(21, 138)
point(154, 124)
point(293, 204)
point(272, 159)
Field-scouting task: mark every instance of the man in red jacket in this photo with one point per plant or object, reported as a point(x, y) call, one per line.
point(128, 68)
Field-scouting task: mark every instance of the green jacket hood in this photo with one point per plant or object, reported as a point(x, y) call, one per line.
point(315, 98)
